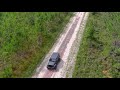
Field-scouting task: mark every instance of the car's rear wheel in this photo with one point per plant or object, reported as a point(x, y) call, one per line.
point(55, 67)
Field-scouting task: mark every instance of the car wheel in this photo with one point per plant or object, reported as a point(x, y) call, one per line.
point(55, 67)
point(59, 59)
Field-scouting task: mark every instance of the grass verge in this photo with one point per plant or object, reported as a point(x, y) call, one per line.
point(99, 52)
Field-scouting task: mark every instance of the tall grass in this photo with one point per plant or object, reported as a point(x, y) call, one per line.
point(99, 53)
point(25, 38)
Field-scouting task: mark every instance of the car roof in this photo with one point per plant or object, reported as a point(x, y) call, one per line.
point(54, 55)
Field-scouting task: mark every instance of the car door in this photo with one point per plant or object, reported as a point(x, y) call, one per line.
point(57, 59)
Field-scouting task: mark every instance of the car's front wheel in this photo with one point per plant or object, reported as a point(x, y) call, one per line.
point(59, 59)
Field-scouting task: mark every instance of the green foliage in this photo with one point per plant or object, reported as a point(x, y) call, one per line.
point(99, 53)
point(25, 38)
point(7, 72)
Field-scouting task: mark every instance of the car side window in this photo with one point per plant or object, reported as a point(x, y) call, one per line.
point(50, 59)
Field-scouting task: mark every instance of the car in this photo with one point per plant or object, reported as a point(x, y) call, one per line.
point(53, 61)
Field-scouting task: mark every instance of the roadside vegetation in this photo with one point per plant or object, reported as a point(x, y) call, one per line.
point(99, 52)
point(25, 38)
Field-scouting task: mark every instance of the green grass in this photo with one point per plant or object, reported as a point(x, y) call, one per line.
point(25, 38)
point(99, 53)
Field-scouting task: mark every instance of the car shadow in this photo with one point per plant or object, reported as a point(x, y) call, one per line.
point(59, 66)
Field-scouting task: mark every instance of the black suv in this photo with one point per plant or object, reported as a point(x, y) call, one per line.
point(53, 61)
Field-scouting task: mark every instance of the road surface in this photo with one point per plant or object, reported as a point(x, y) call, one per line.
point(63, 46)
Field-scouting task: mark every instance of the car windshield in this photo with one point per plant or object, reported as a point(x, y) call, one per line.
point(53, 60)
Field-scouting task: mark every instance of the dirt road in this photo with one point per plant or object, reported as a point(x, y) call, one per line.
point(63, 45)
